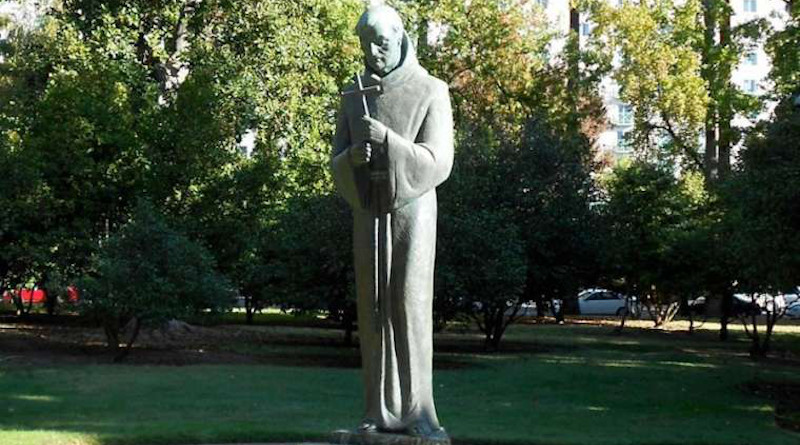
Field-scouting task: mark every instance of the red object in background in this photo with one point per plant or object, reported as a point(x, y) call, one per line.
point(72, 294)
point(39, 295)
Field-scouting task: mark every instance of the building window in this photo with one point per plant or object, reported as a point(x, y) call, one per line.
point(542, 3)
point(751, 58)
point(624, 114)
point(750, 86)
point(623, 141)
point(750, 6)
point(586, 29)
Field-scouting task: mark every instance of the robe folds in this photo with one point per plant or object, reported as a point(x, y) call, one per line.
point(393, 199)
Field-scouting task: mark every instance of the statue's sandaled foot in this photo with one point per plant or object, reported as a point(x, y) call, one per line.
point(367, 426)
point(422, 429)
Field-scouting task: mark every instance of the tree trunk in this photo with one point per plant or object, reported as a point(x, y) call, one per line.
point(690, 313)
point(123, 352)
point(423, 49)
point(726, 309)
point(50, 301)
point(540, 307)
point(624, 314)
point(248, 310)
point(710, 158)
point(756, 350)
point(349, 323)
point(574, 46)
point(558, 313)
point(725, 105)
point(111, 329)
point(30, 300)
point(494, 329)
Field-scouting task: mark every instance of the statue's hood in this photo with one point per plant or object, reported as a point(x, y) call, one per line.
point(408, 66)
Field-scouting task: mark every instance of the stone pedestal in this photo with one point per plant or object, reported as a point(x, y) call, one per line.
point(344, 437)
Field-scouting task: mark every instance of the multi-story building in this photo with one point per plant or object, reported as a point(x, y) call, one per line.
point(20, 14)
point(749, 75)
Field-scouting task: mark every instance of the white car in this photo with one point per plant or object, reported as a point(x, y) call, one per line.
point(792, 305)
point(601, 302)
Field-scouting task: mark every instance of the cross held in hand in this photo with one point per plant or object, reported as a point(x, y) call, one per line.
point(363, 92)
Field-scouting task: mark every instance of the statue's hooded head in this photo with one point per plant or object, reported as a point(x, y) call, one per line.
point(381, 31)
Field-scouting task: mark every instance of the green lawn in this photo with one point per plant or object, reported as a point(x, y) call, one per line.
point(556, 385)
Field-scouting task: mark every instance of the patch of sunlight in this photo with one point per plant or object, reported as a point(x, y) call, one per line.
point(689, 364)
point(756, 408)
point(625, 342)
point(31, 398)
point(45, 437)
point(596, 408)
point(622, 364)
point(784, 326)
point(564, 360)
point(496, 358)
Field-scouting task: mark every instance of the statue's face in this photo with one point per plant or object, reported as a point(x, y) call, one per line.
point(382, 46)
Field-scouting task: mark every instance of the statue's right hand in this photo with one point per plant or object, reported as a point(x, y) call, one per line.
point(360, 154)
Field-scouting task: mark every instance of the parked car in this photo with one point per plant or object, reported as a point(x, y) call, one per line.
point(792, 302)
point(793, 311)
point(697, 306)
point(601, 302)
point(746, 304)
point(530, 309)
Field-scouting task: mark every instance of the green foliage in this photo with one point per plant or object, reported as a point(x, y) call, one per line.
point(107, 102)
point(660, 69)
point(279, 67)
point(550, 188)
point(481, 262)
point(677, 80)
point(148, 273)
point(764, 203)
point(72, 121)
point(657, 235)
point(785, 56)
point(315, 245)
point(523, 207)
point(489, 53)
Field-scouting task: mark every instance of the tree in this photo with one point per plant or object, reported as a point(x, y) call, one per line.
point(782, 48)
point(73, 120)
point(314, 238)
point(152, 100)
point(676, 60)
point(764, 219)
point(675, 66)
point(550, 190)
point(535, 196)
point(146, 274)
point(481, 261)
point(653, 218)
point(534, 115)
point(659, 73)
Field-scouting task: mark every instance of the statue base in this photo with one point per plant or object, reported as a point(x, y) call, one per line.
point(345, 437)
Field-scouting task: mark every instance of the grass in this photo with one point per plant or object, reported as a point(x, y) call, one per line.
point(572, 384)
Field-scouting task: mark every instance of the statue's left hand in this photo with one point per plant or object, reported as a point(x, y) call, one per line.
point(373, 131)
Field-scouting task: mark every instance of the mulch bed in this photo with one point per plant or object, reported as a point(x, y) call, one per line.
point(73, 342)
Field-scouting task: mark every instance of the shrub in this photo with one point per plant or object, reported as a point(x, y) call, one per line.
point(147, 274)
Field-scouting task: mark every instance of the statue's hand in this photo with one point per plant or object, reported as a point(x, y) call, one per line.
point(360, 154)
point(373, 131)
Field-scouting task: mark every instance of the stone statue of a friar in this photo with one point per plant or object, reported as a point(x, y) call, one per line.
point(393, 146)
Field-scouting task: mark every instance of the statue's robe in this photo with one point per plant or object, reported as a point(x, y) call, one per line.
point(394, 210)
